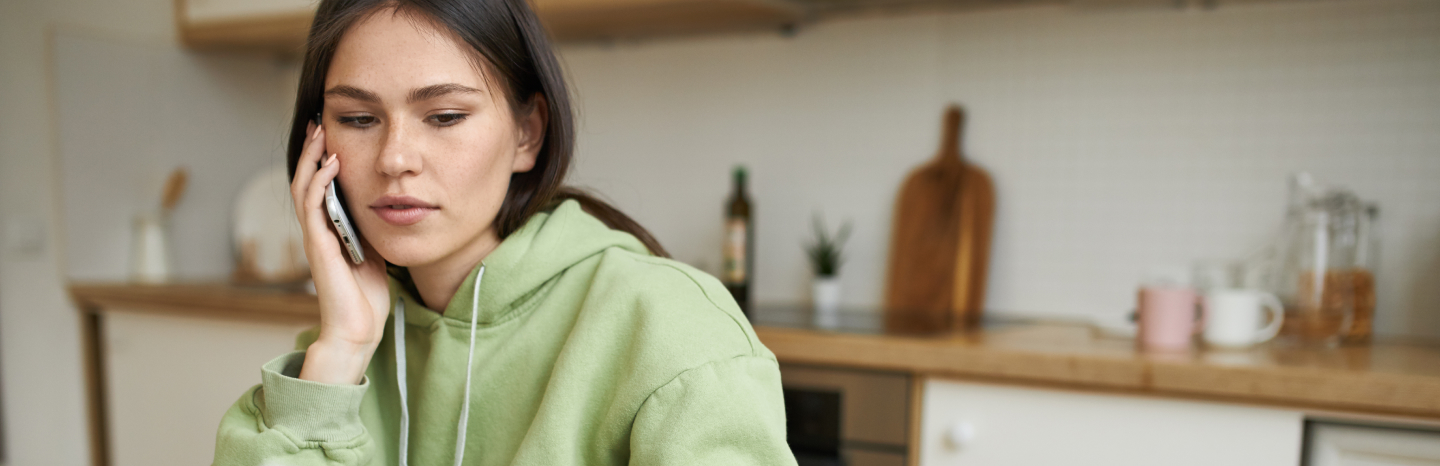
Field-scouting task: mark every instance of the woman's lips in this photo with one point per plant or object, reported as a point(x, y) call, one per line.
point(402, 216)
point(402, 210)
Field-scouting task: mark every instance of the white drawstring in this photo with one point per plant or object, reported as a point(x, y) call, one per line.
point(400, 377)
point(400, 374)
point(465, 408)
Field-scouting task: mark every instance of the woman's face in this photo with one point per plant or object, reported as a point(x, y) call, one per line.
point(426, 143)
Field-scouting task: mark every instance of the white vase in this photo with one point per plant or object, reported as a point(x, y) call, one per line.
point(825, 294)
point(149, 255)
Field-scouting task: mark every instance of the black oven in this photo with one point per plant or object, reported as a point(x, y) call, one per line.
point(846, 416)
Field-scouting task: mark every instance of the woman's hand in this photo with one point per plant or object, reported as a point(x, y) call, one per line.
point(354, 299)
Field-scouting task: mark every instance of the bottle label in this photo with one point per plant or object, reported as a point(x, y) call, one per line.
point(734, 251)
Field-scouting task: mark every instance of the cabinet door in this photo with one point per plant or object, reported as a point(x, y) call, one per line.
point(169, 379)
point(982, 424)
point(1357, 445)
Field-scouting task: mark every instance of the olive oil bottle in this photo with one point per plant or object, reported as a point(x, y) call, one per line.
point(738, 250)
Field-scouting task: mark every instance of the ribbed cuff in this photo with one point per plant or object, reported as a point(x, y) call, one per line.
point(310, 411)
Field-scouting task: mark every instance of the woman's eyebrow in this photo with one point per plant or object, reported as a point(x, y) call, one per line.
point(436, 90)
point(419, 94)
point(353, 93)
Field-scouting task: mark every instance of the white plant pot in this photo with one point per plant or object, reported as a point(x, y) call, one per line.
point(825, 294)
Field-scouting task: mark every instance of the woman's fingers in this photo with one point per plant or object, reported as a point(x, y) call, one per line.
point(307, 191)
point(305, 167)
point(315, 217)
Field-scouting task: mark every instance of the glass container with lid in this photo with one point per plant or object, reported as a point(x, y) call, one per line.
point(1325, 278)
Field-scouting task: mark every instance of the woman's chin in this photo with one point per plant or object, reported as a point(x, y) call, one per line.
point(407, 256)
point(424, 248)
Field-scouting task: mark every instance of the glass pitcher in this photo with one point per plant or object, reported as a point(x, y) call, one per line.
point(1262, 270)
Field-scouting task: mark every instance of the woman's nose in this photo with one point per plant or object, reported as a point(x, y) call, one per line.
point(398, 154)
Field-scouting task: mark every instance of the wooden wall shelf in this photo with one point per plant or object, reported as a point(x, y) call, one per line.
point(280, 26)
point(284, 31)
point(280, 33)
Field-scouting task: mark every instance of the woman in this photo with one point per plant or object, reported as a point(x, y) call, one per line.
point(519, 322)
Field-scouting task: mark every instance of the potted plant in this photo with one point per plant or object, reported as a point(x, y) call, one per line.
point(825, 260)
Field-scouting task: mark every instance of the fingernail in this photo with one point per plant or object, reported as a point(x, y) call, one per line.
point(317, 131)
point(332, 159)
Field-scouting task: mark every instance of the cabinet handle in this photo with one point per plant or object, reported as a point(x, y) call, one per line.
point(959, 434)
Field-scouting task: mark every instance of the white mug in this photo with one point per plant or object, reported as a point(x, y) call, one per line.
point(1235, 318)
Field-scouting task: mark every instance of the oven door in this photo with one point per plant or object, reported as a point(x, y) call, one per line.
point(846, 416)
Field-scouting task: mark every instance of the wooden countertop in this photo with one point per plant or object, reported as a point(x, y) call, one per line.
point(1381, 378)
point(220, 300)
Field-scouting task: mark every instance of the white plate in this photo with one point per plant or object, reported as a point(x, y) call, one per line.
point(269, 245)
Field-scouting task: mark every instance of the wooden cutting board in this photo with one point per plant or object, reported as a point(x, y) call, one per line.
point(940, 245)
point(972, 256)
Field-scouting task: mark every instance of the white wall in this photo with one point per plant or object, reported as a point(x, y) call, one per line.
point(1118, 140)
point(133, 112)
point(188, 101)
point(33, 314)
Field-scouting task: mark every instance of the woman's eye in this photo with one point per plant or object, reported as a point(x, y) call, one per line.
point(357, 121)
point(446, 119)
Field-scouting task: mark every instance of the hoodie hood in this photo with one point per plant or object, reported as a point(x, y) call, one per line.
point(547, 245)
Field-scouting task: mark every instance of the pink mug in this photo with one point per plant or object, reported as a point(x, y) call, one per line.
point(1168, 318)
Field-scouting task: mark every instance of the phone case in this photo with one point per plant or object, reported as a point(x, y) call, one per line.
point(342, 224)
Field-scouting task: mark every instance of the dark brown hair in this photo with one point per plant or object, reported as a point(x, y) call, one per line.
point(507, 34)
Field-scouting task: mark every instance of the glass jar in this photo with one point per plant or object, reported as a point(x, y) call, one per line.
point(1367, 261)
point(1323, 280)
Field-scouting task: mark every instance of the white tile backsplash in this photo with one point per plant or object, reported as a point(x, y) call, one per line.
point(1118, 140)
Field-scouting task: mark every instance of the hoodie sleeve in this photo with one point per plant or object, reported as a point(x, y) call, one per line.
point(728, 412)
point(293, 422)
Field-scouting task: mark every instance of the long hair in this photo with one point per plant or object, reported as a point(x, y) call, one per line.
point(509, 37)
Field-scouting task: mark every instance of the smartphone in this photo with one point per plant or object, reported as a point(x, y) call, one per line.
point(335, 206)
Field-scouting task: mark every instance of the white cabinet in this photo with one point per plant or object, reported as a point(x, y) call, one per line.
point(981, 424)
point(1357, 445)
point(170, 378)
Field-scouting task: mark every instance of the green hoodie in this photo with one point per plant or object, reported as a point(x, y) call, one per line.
point(586, 350)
